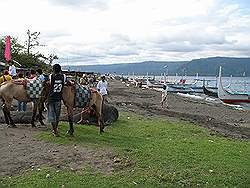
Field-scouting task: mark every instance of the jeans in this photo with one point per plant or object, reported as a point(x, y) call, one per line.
point(54, 111)
point(22, 106)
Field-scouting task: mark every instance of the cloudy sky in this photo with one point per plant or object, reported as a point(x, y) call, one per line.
point(118, 31)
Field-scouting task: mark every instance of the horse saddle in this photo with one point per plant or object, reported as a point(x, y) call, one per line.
point(34, 88)
point(82, 96)
point(20, 82)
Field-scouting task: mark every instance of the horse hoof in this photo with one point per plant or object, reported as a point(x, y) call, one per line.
point(12, 126)
point(101, 131)
point(70, 133)
point(56, 135)
point(43, 124)
point(79, 122)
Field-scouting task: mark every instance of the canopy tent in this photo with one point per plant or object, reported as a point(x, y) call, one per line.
point(17, 63)
point(6, 64)
point(3, 64)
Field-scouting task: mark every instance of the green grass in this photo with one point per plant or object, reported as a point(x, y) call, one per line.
point(164, 154)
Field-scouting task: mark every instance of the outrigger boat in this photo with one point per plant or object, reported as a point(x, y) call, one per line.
point(212, 92)
point(231, 97)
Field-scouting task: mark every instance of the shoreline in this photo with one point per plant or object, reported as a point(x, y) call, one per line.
point(216, 116)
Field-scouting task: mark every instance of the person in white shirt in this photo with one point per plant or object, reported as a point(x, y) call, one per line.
point(40, 74)
point(12, 70)
point(164, 96)
point(102, 87)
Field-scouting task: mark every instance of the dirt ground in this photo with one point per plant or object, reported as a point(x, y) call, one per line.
point(216, 116)
point(21, 151)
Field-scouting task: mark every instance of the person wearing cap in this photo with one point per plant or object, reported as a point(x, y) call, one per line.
point(102, 87)
point(6, 76)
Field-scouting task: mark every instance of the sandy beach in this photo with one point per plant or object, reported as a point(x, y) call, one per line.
point(216, 116)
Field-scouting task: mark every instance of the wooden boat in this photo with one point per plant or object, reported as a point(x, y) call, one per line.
point(154, 84)
point(174, 89)
point(186, 87)
point(210, 92)
point(231, 97)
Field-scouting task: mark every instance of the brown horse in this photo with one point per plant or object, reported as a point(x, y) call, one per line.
point(69, 90)
point(15, 90)
point(12, 90)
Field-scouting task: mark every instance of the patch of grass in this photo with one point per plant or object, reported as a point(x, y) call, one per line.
point(164, 154)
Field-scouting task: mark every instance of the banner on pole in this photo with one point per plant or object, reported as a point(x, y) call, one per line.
point(7, 53)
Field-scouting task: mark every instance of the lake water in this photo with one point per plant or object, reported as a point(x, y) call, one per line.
point(230, 83)
point(233, 83)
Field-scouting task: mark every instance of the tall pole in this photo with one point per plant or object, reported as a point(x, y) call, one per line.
point(28, 44)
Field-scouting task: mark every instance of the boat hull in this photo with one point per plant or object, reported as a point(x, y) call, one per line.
point(179, 89)
point(229, 97)
point(231, 101)
point(209, 92)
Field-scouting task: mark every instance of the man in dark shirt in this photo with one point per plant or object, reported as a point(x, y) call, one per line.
point(57, 80)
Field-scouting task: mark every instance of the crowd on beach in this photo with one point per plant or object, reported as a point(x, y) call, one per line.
point(13, 73)
point(57, 80)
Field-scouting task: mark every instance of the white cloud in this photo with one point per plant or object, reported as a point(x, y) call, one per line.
point(112, 31)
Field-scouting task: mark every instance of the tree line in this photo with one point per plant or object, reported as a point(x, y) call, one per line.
point(26, 53)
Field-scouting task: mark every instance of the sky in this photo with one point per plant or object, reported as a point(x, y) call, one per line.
point(83, 32)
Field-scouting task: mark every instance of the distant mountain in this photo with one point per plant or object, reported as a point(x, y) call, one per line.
point(141, 68)
point(210, 66)
point(204, 66)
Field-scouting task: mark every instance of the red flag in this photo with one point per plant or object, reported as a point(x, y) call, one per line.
point(7, 53)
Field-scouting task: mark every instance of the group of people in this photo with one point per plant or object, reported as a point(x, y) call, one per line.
point(57, 81)
point(12, 73)
point(89, 80)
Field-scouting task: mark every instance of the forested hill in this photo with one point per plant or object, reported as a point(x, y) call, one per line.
point(210, 66)
point(141, 68)
point(204, 66)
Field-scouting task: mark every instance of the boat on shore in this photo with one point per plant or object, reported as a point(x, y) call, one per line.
point(184, 87)
point(154, 84)
point(174, 89)
point(212, 92)
point(231, 97)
